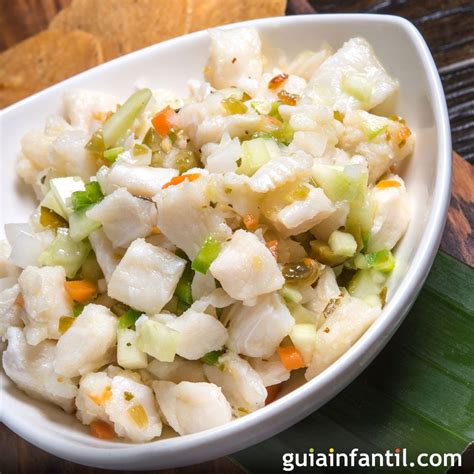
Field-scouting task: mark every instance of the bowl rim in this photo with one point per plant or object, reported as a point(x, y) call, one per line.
point(223, 440)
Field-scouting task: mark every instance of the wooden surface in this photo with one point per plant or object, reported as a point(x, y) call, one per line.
point(448, 27)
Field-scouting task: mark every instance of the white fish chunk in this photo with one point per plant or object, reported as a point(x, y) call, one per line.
point(68, 156)
point(240, 383)
point(343, 327)
point(235, 58)
point(352, 78)
point(82, 108)
point(246, 268)
point(107, 257)
point(271, 371)
point(146, 277)
point(133, 410)
point(192, 407)
point(31, 368)
point(188, 204)
point(302, 215)
point(256, 331)
point(10, 311)
point(45, 301)
point(222, 157)
point(281, 170)
point(95, 390)
point(391, 215)
point(26, 244)
point(334, 221)
point(34, 156)
point(7, 268)
point(199, 333)
point(140, 180)
point(326, 290)
point(88, 344)
point(202, 285)
point(124, 217)
point(383, 142)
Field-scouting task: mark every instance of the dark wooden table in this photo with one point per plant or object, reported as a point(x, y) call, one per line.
point(448, 27)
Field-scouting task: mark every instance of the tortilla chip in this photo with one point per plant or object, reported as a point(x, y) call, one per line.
point(43, 60)
point(209, 13)
point(124, 25)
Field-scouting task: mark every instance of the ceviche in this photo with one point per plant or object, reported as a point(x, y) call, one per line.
point(188, 253)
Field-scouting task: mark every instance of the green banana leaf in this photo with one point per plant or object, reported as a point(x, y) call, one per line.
point(418, 393)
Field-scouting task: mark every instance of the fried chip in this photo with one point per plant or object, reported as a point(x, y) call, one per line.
point(43, 60)
point(124, 25)
point(209, 13)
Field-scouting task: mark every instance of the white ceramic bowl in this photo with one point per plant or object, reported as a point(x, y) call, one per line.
point(404, 53)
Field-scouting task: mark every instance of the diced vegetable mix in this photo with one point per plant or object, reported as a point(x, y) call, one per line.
point(189, 253)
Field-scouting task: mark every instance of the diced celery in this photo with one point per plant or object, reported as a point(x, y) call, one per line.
point(255, 153)
point(80, 226)
point(290, 294)
point(261, 106)
point(358, 87)
point(117, 126)
point(158, 340)
point(373, 133)
point(360, 262)
point(382, 260)
point(62, 189)
point(302, 315)
point(183, 289)
point(303, 337)
point(206, 255)
point(348, 183)
point(211, 358)
point(342, 243)
point(129, 356)
point(112, 153)
point(128, 319)
point(65, 252)
point(52, 203)
point(91, 194)
point(366, 284)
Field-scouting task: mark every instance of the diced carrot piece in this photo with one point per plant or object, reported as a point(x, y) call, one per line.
point(272, 245)
point(154, 230)
point(272, 392)
point(388, 183)
point(250, 222)
point(163, 121)
point(102, 430)
point(179, 179)
point(81, 290)
point(291, 357)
